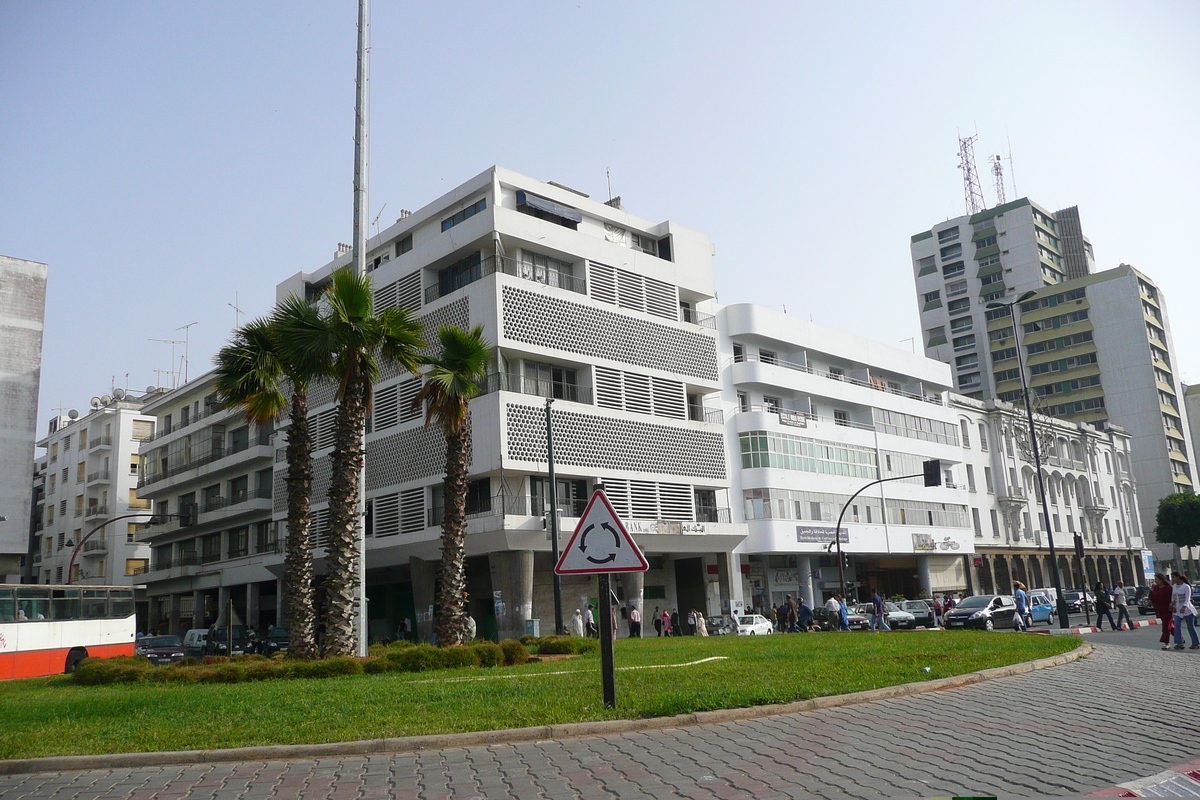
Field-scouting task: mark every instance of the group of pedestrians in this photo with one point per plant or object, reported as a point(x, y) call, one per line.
point(838, 610)
point(793, 616)
point(668, 623)
point(1172, 601)
point(1106, 601)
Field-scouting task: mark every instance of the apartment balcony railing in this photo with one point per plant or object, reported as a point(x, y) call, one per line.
point(877, 384)
point(712, 514)
point(714, 415)
point(268, 546)
point(99, 475)
point(508, 266)
point(510, 382)
point(188, 559)
point(95, 546)
point(208, 558)
point(697, 318)
point(178, 426)
point(138, 569)
point(800, 419)
point(1012, 493)
point(97, 511)
point(214, 454)
point(37, 558)
point(100, 441)
point(218, 502)
point(138, 504)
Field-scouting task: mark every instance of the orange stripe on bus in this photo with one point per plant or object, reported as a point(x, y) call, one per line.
point(52, 662)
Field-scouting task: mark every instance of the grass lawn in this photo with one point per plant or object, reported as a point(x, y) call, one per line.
point(50, 716)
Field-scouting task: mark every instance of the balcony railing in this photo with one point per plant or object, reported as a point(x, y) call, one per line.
point(188, 559)
point(873, 383)
point(214, 454)
point(714, 415)
point(511, 382)
point(800, 419)
point(162, 431)
point(100, 475)
point(712, 514)
point(95, 546)
point(268, 546)
point(100, 441)
point(97, 511)
point(218, 502)
point(508, 266)
point(697, 317)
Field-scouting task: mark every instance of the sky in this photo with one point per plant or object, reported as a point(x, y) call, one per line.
point(171, 161)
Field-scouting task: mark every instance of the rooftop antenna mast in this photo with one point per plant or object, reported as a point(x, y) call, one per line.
point(173, 373)
point(608, 174)
point(375, 221)
point(966, 162)
point(187, 344)
point(998, 174)
point(1012, 174)
point(237, 312)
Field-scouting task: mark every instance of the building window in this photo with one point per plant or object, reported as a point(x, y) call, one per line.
point(959, 306)
point(639, 241)
point(987, 241)
point(969, 360)
point(550, 380)
point(956, 288)
point(987, 479)
point(961, 325)
point(948, 235)
point(983, 439)
point(963, 342)
point(137, 566)
point(404, 245)
point(739, 353)
point(459, 274)
point(465, 214)
point(935, 336)
point(970, 477)
point(954, 270)
point(771, 404)
point(933, 296)
point(841, 418)
point(951, 251)
point(768, 356)
point(965, 427)
point(743, 402)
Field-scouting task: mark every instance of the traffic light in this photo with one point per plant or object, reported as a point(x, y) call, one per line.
point(933, 472)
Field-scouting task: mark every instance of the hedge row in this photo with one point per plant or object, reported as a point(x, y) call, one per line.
point(214, 669)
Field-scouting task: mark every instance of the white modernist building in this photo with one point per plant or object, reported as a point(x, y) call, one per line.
point(90, 483)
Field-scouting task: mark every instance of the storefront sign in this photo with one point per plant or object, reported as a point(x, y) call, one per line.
point(923, 542)
point(819, 535)
point(793, 418)
point(785, 579)
point(663, 526)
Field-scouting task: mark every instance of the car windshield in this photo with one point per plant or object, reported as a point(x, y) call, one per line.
point(746, 620)
point(162, 641)
point(277, 633)
point(1072, 595)
point(891, 606)
point(975, 602)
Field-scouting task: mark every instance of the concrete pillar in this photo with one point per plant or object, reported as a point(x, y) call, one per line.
point(223, 596)
point(512, 576)
point(173, 613)
point(737, 597)
point(804, 567)
point(422, 586)
point(252, 606)
point(280, 604)
point(923, 578)
point(197, 609)
point(633, 584)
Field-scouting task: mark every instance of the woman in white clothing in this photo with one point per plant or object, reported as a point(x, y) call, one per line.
point(1184, 611)
point(577, 624)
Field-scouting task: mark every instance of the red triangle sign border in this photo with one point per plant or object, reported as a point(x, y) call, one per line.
point(643, 564)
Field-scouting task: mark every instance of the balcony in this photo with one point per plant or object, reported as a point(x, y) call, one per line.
point(712, 514)
point(95, 547)
point(510, 382)
point(697, 317)
point(872, 383)
point(97, 511)
point(100, 476)
point(188, 559)
point(100, 441)
point(209, 410)
point(508, 266)
point(1012, 494)
point(713, 415)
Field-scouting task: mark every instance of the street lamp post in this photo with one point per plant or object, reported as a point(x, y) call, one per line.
point(1037, 457)
point(101, 526)
point(553, 490)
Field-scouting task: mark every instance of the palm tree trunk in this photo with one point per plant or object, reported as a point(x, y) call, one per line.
point(341, 637)
point(298, 567)
point(451, 622)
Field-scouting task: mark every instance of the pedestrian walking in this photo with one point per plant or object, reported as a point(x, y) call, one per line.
point(843, 614)
point(1022, 600)
point(1121, 601)
point(804, 616)
point(1102, 607)
point(793, 617)
point(834, 610)
point(1183, 610)
point(577, 628)
point(635, 622)
point(1160, 599)
point(589, 621)
point(701, 625)
point(666, 623)
point(658, 623)
point(691, 620)
point(937, 612)
point(676, 629)
point(878, 620)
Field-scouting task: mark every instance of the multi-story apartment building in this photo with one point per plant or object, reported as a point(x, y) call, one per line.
point(1090, 489)
point(962, 264)
point(90, 480)
point(22, 311)
point(209, 475)
point(1097, 345)
point(816, 415)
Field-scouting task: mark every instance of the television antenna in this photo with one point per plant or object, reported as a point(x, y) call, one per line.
point(375, 221)
point(187, 339)
point(237, 312)
point(998, 174)
point(172, 373)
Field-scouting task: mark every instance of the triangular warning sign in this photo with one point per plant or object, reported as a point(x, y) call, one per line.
point(600, 543)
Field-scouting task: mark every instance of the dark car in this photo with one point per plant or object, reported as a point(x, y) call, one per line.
point(275, 641)
point(1078, 602)
point(217, 643)
point(160, 649)
point(720, 626)
point(821, 618)
point(987, 611)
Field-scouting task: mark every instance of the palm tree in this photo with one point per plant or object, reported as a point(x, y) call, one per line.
point(449, 386)
point(352, 339)
point(254, 372)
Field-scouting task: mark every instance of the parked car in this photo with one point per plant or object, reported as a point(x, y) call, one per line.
point(275, 641)
point(987, 611)
point(921, 610)
point(160, 649)
point(1144, 606)
point(822, 620)
point(893, 614)
point(720, 626)
point(1042, 608)
point(194, 641)
point(754, 625)
point(218, 641)
point(1076, 601)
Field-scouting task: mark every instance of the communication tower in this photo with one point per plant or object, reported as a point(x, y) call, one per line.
point(998, 173)
point(966, 162)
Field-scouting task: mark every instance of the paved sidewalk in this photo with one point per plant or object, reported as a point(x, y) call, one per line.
point(1182, 780)
point(1091, 718)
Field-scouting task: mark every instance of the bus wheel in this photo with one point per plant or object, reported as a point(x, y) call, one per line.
point(76, 655)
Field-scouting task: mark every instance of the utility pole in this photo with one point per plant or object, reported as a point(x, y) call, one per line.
point(558, 612)
point(359, 262)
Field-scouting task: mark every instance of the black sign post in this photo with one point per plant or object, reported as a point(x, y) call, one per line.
point(608, 678)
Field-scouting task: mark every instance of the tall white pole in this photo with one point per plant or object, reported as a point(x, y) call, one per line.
point(360, 268)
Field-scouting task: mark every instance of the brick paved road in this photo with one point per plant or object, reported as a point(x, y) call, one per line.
point(1090, 718)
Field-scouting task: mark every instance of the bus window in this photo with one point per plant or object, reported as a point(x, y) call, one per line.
point(64, 603)
point(34, 602)
point(121, 601)
point(95, 603)
point(8, 611)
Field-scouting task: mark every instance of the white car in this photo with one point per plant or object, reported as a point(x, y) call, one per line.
point(892, 613)
point(754, 625)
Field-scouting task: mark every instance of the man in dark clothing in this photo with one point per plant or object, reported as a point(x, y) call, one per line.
point(878, 619)
point(676, 628)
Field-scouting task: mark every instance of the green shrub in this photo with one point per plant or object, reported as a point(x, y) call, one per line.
point(514, 652)
point(528, 641)
point(460, 656)
point(566, 645)
point(224, 673)
point(419, 658)
point(326, 668)
point(265, 670)
point(190, 661)
point(210, 660)
point(488, 653)
point(118, 669)
point(377, 666)
point(249, 657)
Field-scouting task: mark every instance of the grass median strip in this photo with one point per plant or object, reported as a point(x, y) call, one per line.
point(50, 716)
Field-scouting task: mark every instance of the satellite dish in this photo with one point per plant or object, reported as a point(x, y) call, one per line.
point(119, 394)
point(73, 414)
point(106, 399)
point(95, 402)
point(151, 389)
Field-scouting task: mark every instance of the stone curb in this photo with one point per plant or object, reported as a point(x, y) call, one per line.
point(537, 733)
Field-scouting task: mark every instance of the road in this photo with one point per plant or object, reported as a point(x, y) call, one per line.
point(1121, 714)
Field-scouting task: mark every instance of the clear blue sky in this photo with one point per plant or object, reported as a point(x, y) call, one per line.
point(162, 156)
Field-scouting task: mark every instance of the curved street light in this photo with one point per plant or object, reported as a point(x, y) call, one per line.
point(1037, 456)
point(153, 516)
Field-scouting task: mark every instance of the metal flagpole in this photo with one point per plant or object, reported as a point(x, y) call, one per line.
point(360, 268)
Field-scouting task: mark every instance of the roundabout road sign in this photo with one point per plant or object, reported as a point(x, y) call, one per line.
point(600, 543)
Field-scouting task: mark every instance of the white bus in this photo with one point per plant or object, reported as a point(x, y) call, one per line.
point(47, 630)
